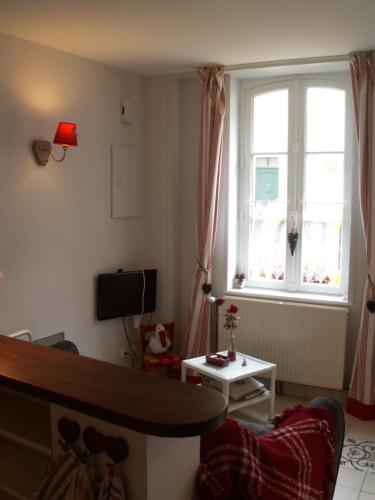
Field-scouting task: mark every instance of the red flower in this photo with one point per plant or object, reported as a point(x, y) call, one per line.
point(232, 309)
point(219, 301)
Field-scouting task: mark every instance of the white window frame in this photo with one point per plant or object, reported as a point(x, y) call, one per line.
point(296, 150)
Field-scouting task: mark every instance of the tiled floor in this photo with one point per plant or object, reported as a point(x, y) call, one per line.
point(356, 478)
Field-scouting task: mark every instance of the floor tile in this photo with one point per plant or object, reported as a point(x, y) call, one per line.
point(366, 496)
point(341, 397)
point(362, 430)
point(316, 392)
point(284, 402)
point(342, 493)
point(369, 483)
point(358, 454)
point(350, 478)
point(295, 390)
point(348, 422)
point(365, 424)
point(259, 413)
point(258, 416)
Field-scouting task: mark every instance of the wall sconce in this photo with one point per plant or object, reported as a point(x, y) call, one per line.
point(66, 136)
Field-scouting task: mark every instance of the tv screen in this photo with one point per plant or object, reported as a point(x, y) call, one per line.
point(120, 294)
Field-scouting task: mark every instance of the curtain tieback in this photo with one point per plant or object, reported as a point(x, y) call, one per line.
point(204, 270)
point(206, 287)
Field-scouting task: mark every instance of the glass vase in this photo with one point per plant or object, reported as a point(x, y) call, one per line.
point(232, 347)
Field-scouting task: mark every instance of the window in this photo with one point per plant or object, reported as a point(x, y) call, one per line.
point(296, 185)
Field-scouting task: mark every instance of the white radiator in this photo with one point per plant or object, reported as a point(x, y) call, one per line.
point(306, 341)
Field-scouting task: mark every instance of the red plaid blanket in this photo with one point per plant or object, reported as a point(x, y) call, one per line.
point(295, 461)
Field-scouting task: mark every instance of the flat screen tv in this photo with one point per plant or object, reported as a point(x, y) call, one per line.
point(126, 293)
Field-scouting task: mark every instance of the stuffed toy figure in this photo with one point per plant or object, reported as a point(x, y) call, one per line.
point(159, 342)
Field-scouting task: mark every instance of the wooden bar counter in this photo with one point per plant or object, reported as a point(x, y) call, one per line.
point(161, 419)
point(130, 398)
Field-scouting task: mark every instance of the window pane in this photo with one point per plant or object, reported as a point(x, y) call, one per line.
point(325, 119)
point(267, 218)
point(322, 219)
point(270, 178)
point(270, 122)
point(324, 178)
point(321, 244)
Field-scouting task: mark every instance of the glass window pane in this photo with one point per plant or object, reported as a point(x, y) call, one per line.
point(270, 122)
point(321, 244)
point(267, 219)
point(324, 178)
point(268, 243)
point(269, 178)
point(322, 219)
point(325, 119)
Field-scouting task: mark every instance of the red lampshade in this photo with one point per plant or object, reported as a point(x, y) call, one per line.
point(66, 134)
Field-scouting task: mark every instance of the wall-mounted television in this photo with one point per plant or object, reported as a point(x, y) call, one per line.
point(126, 293)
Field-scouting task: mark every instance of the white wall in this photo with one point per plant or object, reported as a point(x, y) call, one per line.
point(55, 225)
point(189, 124)
point(172, 134)
point(161, 134)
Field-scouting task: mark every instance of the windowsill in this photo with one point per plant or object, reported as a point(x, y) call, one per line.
point(309, 298)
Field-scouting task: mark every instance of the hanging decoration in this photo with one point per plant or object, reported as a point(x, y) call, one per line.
point(69, 477)
point(292, 236)
point(111, 488)
point(77, 474)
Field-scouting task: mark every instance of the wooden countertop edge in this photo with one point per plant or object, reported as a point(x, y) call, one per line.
point(185, 419)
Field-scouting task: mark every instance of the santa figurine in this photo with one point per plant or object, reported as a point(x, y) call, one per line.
point(159, 342)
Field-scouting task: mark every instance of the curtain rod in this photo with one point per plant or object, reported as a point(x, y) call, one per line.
point(286, 62)
point(270, 64)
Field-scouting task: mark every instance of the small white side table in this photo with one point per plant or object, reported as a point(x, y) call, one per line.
point(234, 372)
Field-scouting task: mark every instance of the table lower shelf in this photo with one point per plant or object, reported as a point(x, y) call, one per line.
point(241, 403)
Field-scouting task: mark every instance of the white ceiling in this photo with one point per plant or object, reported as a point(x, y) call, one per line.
point(163, 36)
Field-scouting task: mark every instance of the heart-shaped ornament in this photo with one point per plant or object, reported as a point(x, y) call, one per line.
point(292, 240)
point(206, 288)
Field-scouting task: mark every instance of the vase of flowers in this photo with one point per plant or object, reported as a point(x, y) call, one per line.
point(230, 324)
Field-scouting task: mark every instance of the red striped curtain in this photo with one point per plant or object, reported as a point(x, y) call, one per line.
point(209, 170)
point(361, 402)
